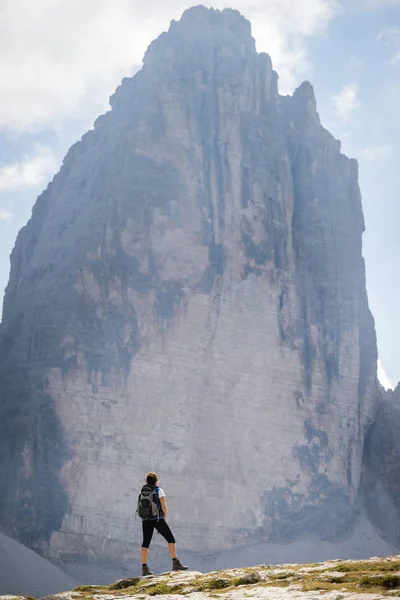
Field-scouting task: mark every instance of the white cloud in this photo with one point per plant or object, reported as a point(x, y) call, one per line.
point(377, 153)
point(390, 37)
point(387, 34)
point(346, 102)
point(280, 28)
point(5, 215)
point(61, 59)
point(384, 380)
point(31, 172)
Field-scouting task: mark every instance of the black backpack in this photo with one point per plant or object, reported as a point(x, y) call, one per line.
point(148, 506)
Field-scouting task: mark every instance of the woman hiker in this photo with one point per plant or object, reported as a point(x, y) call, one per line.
point(152, 508)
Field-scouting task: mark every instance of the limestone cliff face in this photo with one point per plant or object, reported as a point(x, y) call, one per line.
point(189, 296)
point(381, 483)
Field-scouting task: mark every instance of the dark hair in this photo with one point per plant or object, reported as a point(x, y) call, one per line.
point(151, 478)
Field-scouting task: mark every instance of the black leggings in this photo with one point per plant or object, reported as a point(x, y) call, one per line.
point(161, 526)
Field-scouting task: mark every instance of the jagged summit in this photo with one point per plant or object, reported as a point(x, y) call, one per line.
point(201, 40)
point(305, 91)
point(205, 46)
point(227, 18)
point(200, 28)
point(303, 106)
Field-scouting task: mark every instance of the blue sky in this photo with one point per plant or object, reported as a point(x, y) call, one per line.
point(60, 60)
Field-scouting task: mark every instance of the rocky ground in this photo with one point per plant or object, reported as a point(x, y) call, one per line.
point(333, 580)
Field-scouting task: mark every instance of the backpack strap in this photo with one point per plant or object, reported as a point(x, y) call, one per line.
point(158, 503)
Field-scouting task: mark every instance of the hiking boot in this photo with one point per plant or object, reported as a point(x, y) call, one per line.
point(146, 571)
point(177, 565)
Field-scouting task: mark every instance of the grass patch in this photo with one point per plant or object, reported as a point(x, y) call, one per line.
point(361, 566)
point(123, 584)
point(336, 579)
point(134, 585)
point(353, 582)
point(283, 583)
point(249, 579)
point(386, 581)
point(163, 588)
point(90, 588)
point(218, 583)
point(85, 588)
point(314, 586)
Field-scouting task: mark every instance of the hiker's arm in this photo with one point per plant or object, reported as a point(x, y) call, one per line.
point(163, 505)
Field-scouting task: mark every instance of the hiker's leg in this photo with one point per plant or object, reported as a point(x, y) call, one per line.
point(144, 553)
point(163, 528)
point(172, 550)
point(148, 529)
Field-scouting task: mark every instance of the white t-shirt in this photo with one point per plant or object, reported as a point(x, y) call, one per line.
point(161, 493)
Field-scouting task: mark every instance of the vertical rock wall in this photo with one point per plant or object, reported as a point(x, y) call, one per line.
point(189, 296)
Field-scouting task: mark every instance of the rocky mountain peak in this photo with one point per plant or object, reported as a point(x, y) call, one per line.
point(228, 19)
point(302, 107)
point(206, 48)
point(200, 37)
point(194, 272)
